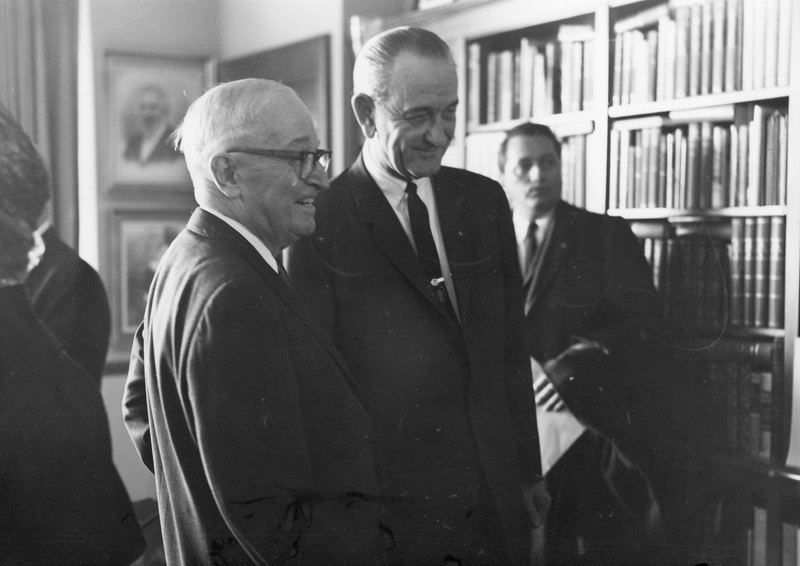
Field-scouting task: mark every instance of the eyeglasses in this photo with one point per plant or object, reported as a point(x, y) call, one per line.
point(307, 158)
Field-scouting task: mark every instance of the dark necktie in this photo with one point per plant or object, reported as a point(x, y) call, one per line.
point(421, 230)
point(426, 247)
point(530, 252)
point(284, 275)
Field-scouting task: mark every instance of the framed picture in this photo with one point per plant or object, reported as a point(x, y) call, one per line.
point(139, 240)
point(147, 98)
point(303, 66)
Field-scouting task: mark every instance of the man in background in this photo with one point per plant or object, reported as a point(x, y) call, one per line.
point(591, 310)
point(149, 143)
point(413, 270)
point(68, 295)
point(236, 399)
point(63, 501)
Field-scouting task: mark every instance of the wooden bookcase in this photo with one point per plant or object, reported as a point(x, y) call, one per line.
point(756, 495)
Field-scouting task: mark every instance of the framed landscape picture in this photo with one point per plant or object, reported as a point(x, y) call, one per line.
point(147, 98)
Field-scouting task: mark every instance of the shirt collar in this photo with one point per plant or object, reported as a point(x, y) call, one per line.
point(521, 224)
point(393, 187)
point(260, 247)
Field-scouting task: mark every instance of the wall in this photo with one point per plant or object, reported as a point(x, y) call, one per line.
point(251, 26)
point(173, 27)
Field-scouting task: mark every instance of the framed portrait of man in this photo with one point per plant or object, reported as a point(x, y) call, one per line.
point(147, 97)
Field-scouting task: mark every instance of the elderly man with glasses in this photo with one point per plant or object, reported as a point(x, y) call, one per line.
point(237, 400)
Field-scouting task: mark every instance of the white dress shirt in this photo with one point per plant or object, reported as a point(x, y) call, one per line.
point(394, 189)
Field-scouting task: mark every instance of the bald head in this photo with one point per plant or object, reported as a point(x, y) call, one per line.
point(24, 189)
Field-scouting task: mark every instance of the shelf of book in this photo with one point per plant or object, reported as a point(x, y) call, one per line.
point(563, 124)
point(677, 215)
point(700, 101)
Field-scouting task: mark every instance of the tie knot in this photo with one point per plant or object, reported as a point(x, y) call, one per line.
point(411, 188)
point(532, 227)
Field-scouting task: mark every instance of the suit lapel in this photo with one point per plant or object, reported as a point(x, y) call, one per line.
point(210, 226)
point(458, 233)
point(388, 234)
point(558, 250)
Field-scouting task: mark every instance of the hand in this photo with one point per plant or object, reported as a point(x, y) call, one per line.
point(546, 395)
point(20, 250)
point(536, 501)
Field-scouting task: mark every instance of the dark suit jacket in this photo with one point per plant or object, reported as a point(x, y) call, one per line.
point(595, 285)
point(69, 297)
point(241, 406)
point(61, 498)
point(162, 152)
point(361, 276)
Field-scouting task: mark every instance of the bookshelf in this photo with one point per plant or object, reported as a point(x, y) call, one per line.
point(647, 75)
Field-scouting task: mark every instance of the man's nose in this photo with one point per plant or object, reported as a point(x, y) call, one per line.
point(437, 133)
point(534, 173)
point(318, 178)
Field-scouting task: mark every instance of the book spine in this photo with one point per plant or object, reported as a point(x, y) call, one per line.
point(661, 166)
point(765, 442)
point(553, 74)
point(706, 47)
point(777, 263)
point(682, 158)
point(474, 94)
point(706, 165)
point(616, 95)
point(491, 87)
point(624, 167)
point(784, 41)
point(682, 19)
point(506, 85)
point(732, 54)
point(747, 42)
point(749, 265)
point(759, 44)
point(566, 76)
point(733, 165)
point(771, 42)
point(744, 397)
point(652, 65)
point(670, 171)
point(587, 78)
point(693, 169)
point(670, 53)
point(783, 147)
point(744, 168)
point(695, 48)
point(755, 184)
point(577, 76)
point(762, 261)
point(730, 373)
point(718, 51)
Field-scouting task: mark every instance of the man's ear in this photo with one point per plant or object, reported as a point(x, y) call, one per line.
point(364, 109)
point(223, 171)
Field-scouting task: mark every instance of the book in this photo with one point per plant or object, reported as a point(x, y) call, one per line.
point(749, 269)
point(576, 104)
point(491, 86)
point(669, 166)
point(474, 101)
point(759, 43)
point(542, 103)
point(747, 43)
point(744, 168)
point(756, 190)
point(718, 48)
point(666, 36)
point(777, 264)
point(706, 52)
point(771, 11)
point(706, 165)
point(733, 160)
point(783, 145)
point(613, 168)
point(624, 169)
point(765, 440)
point(616, 93)
point(567, 61)
point(736, 263)
point(651, 39)
point(695, 48)
point(662, 163)
point(527, 48)
point(719, 172)
point(784, 41)
point(732, 40)
point(682, 23)
point(505, 92)
point(761, 272)
point(693, 167)
point(681, 159)
point(551, 52)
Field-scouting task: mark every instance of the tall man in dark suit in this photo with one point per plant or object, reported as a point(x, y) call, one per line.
point(236, 398)
point(591, 312)
point(413, 270)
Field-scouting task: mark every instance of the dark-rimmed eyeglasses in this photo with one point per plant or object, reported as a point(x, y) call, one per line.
point(307, 159)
